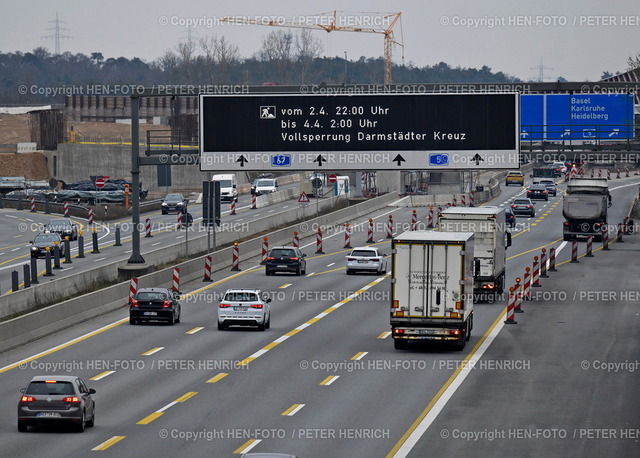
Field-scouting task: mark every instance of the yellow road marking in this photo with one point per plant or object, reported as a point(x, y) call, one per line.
point(244, 448)
point(149, 418)
point(291, 411)
point(194, 330)
point(359, 355)
point(108, 443)
point(186, 396)
point(217, 378)
point(329, 380)
point(152, 351)
point(384, 335)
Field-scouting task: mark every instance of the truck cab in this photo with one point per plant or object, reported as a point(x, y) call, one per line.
point(228, 186)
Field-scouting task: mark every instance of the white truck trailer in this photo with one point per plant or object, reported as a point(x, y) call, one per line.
point(490, 241)
point(432, 287)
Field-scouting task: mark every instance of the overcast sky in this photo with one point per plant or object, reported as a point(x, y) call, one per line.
point(577, 39)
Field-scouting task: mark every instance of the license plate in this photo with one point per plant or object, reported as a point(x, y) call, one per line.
point(240, 309)
point(150, 313)
point(427, 331)
point(362, 261)
point(49, 414)
point(282, 265)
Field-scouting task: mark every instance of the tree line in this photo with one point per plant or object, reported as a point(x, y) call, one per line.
point(284, 58)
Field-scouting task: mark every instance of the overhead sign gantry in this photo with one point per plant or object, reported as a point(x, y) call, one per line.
point(275, 132)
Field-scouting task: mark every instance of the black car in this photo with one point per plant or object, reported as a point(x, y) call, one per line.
point(63, 227)
point(174, 203)
point(157, 304)
point(537, 191)
point(55, 399)
point(41, 242)
point(522, 206)
point(285, 259)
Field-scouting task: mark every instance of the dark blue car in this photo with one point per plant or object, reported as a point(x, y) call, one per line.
point(510, 218)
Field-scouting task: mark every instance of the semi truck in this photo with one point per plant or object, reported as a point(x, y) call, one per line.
point(491, 239)
point(585, 207)
point(432, 287)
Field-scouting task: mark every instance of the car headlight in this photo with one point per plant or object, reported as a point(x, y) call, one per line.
point(164, 204)
point(34, 248)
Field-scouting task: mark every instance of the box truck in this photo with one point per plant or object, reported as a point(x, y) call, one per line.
point(490, 241)
point(228, 186)
point(432, 287)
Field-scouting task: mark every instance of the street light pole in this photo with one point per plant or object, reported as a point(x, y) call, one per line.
point(136, 257)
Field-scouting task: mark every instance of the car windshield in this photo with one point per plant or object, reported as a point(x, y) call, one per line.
point(151, 296)
point(173, 198)
point(59, 223)
point(46, 238)
point(364, 253)
point(283, 253)
point(265, 183)
point(521, 202)
point(50, 387)
point(241, 296)
point(225, 183)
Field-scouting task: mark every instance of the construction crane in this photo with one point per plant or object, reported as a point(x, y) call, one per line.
point(332, 22)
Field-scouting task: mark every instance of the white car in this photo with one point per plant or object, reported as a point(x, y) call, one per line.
point(264, 186)
point(366, 258)
point(560, 166)
point(244, 307)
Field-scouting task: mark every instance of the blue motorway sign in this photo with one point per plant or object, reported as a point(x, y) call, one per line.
point(281, 160)
point(438, 159)
point(576, 117)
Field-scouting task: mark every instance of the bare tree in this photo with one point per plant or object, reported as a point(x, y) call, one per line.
point(186, 59)
point(277, 51)
point(633, 62)
point(308, 48)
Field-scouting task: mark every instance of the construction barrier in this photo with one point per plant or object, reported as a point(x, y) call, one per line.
point(527, 284)
point(80, 245)
point(147, 227)
point(430, 218)
point(543, 264)
point(620, 232)
point(265, 249)
point(133, 288)
point(254, 201)
point(90, 217)
point(319, 242)
point(235, 257)
point(511, 307)
point(179, 224)
point(175, 281)
point(296, 240)
point(33, 205)
point(605, 238)
point(56, 256)
point(414, 220)
point(471, 199)
point(370, 232)
point(390, 227)
point(552, 259)
point(589, 247)
point(347, 236)
point(66, 209)
point(574, 251)
point(233, 206)
point(517, 308)
point(536, 273)
point(207, 269)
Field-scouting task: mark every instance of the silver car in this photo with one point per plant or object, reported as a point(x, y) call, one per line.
point(366, 258)
point(53, 399)
point(244, 307)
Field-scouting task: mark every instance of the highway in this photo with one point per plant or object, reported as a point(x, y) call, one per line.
point(325, 379)
point(18, 228)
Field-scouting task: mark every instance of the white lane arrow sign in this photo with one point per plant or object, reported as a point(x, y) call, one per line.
point(524, 133)
point(566, 132)
point(614, 132)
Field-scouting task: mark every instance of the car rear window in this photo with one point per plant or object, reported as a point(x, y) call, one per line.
point(152, 296)
point(43, 387)
point(241, 297)
point(364, 253)
point(521, 201)
point(283, 253)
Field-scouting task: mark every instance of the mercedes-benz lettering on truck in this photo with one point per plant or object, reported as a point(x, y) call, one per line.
point(432, 287)
point(585, 208)
point(228, 186)
point(490, 241)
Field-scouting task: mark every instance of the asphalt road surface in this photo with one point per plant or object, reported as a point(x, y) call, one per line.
point(325, 379)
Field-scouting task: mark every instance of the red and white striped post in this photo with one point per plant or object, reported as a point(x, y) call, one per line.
point(207, 269)
point(472, 199)
point(347, 235)
point(437, 220)
point(33, 205)
point(147, 227)
point(536, 273)
point(543, 264)
point(265, 249)
point(319, 242)
point(133, 288)
point(517, 307)
point(617, 173)
point(599, 173)
point(370, 231)
point(430, 218)
point(589, 247)
point(552, 259)
point(296, 240)
point(592, 172)
point(574, 251)
point(608, 174)
point(627, 174)
point(233, 206)
point(175, 281)
point(90, 216)
point(511, 307)
point(605, 238)
point(455, 202)
point(619, 235)
point(463, 200)
point(254, 202)
point(179, 225)
point(390, 227)
point(414, 220)
point(235, 260)
point(527, 284)
point(66, 209)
